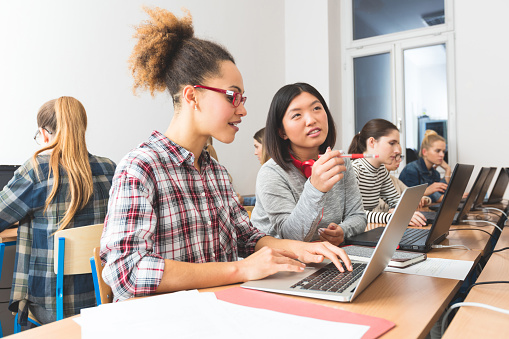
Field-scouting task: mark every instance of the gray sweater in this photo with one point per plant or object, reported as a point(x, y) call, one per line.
point(288, 206)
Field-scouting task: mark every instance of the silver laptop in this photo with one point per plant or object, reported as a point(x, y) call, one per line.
point(324, 281)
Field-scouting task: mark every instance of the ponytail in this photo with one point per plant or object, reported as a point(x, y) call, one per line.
point(69, 153)
point(357, 146)
point(375, 128)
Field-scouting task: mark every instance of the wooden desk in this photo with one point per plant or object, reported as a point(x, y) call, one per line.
point(475, 322)
point(414, 303)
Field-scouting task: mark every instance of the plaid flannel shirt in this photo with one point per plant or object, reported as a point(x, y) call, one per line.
point(23, 200)
point(160, 208)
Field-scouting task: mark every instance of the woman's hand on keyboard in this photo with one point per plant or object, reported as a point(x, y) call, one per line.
point(418, 220)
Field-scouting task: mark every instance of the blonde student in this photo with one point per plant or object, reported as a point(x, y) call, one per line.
point(300, 195)
point(379, 137)
point(61, 186)
point(174, 221)
point(424, 169)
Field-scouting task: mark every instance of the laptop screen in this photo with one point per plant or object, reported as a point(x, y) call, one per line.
point(452, 197)
point(484, 189)
point(479, 181)
point(6, 174)
point(500, 186)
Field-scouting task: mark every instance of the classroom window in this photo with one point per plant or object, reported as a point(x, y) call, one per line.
point(372, 88)
point(379, 17)
point(399, 71)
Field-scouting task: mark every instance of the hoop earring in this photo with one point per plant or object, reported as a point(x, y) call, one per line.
point(195, 108)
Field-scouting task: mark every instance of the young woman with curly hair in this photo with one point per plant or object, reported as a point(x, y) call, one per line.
point(61, 186)
point(174, 221)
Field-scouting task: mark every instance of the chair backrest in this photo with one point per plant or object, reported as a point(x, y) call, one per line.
point(249, 210)
point(104, 289)
point(79, 244)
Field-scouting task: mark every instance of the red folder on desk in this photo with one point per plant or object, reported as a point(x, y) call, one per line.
point(283, 304)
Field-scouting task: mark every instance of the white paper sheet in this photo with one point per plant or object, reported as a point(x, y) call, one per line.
point(190, 314)
point(436, 267)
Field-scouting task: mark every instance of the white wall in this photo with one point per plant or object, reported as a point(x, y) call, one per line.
point(80, 48)
point(313, 50)
point(482, 89)
point(55, 47)
point(306, 44)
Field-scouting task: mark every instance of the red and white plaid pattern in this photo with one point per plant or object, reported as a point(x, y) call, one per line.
point(160, 208)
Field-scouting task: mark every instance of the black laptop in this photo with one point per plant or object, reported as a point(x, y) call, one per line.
point(421, 240)
point(465, 207)
point(498, 191)
point(479, 200)
point(6, 174)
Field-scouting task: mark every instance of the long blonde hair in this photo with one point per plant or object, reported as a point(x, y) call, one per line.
point(430, 137)
point(68, 152)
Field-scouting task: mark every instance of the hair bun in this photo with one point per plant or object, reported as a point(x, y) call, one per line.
point(159, 40)
point(430, 132)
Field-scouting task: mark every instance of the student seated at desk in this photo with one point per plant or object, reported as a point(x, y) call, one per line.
point(398, 185)
point(262, 158)
point(300, 195)
point(379, 137)
point(174, 221)
point(61, 186)
point(423, 170)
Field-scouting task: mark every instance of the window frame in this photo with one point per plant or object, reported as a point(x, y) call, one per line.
point(396, 44)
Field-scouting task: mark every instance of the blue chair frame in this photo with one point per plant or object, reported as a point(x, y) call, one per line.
point(2, 251)
point(96, 282)
point(60, 279)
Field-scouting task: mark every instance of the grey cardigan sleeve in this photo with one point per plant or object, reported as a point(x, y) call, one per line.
point(289, 216)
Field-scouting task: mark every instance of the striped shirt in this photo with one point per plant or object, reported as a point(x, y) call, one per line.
point(374, 184)
point(23, 200)
point(162, 207)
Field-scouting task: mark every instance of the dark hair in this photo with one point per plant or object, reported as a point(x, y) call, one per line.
point(276, 147)
point(168, 56)
point(375, 128)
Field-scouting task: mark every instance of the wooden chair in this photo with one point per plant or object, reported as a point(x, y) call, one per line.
point(103, 292)
point(72, 252)
point(249, 210)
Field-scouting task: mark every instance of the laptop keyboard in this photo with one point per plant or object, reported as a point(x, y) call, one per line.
point(412, 235)
point(330, 279)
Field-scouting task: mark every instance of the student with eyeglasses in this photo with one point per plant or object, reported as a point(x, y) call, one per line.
point(61, 186)
point(398, 185)
point(424, 169)
point(379, 137)
point(300, 195)
point(174, 221)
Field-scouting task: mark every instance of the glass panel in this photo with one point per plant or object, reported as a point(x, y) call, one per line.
point(372, 88)
point(425, 94)
point(378, 17)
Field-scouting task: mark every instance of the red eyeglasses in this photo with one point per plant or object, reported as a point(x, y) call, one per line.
point(234, 97)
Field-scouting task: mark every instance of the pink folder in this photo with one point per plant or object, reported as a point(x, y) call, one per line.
point(279, 303)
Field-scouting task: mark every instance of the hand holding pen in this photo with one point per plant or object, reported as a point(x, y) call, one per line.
point(327, 170)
